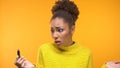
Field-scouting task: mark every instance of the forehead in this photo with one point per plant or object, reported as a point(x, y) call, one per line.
point(58, 22)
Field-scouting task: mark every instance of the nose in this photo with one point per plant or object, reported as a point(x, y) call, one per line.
point(55, 35)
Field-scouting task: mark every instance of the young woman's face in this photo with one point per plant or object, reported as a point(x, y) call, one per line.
point(61, 32)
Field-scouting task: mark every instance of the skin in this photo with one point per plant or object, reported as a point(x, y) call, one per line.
point(61, 32)
point(113, 64)
point(21, 62)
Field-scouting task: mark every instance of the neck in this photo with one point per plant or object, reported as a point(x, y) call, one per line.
point(70, 42)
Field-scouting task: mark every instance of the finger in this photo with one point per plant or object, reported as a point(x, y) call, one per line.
point(22, 60)
point(117, 62)
point(109, 64)
point(16, 59)
point(19, 59)
point(17, 64)
point(23, 63)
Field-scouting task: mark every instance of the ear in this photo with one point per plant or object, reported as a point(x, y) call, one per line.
point(72, 29)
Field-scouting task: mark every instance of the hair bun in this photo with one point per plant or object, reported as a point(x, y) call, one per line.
point(68, 6)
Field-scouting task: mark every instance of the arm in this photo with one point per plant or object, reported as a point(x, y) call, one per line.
point(90, 62)
point(39, 60)
point(112, 64)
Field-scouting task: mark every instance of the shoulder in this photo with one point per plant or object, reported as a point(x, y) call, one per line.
point(45, 46)
point(85, 50)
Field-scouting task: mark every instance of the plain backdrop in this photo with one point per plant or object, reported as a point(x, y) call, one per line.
point(24, 25)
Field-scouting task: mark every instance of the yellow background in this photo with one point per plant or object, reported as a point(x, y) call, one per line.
point(24, 25)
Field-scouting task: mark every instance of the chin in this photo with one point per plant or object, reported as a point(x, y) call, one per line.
point(58, 44)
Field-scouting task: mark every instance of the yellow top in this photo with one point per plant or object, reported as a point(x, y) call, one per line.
point(104, 65)
point(73, 56)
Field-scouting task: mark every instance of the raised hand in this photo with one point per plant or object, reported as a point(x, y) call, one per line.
point(114, 64)
point(21, 62)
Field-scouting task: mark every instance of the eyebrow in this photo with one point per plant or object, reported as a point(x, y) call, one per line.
point(57, 27)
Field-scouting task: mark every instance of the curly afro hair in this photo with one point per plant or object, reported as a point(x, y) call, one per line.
point(65, 9)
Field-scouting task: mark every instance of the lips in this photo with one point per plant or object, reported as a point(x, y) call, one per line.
point(58, 42)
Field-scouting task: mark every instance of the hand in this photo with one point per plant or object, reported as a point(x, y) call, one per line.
point(114, 64)
point(23, 63)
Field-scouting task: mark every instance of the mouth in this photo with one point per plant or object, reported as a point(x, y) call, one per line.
point(58, 42)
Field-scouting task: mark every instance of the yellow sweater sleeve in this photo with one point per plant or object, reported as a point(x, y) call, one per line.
point(104, 66)
point(39, 60)
point(90, 62)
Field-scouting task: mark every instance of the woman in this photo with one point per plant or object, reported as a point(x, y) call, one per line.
point(64, 52)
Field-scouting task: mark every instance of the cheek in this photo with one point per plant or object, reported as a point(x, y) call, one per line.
point(65, 35)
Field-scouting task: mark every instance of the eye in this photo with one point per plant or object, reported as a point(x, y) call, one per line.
point(52, 30)
point(60, 30)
